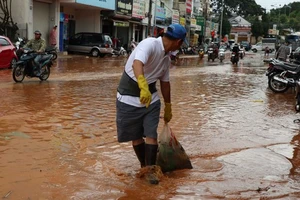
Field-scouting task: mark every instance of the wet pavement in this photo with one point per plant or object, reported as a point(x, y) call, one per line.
point(58, 137)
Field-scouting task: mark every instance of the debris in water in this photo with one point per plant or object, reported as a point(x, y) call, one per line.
point(7, 195)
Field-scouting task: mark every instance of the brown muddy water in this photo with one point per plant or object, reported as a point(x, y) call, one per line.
point(58, 138)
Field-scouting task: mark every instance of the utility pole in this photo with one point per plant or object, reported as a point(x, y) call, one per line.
point(149, 17)
point(221, 24)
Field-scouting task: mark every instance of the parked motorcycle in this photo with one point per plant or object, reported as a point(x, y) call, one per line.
point(221, 54)
point(281, 82)
point(191, 51)
point(234, 58)
point(201, 53)
point(242, 53)
point(26, 67)
point(297, 106)
point(19, 45)
point(119, 51)
point(53, 51)
point(211, 54)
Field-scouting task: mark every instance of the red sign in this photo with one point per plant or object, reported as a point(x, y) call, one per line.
point(188, 5)
point(212, 33)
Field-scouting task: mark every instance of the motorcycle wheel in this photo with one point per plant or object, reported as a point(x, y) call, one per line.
point(276, 86)
point(45, 73)
point(124, 53)
point(54, 56)
point(297, 106)
point(18, 73)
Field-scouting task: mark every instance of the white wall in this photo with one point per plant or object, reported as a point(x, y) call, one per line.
point(88, 21)
point(41, 18)
point(22, 15)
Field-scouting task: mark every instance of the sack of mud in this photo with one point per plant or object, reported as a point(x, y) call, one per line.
point(171, 155)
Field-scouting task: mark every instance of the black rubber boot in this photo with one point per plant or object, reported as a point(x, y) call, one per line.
point(151, 152)
point(140, 153)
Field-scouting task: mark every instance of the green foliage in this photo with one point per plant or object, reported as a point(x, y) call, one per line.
point(240, 7)
point(257, 29)
point(226, 27)
point(286, 17)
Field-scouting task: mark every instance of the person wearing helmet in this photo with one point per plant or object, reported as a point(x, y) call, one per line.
point(215, 48)
point(236, 48)
point(37, 44)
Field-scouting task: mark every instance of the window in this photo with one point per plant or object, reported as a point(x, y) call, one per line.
point(107, 39)
point(292, 38)
point(4, 42)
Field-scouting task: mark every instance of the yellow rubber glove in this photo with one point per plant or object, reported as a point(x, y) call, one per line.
point(168, 112)
point(145, 94)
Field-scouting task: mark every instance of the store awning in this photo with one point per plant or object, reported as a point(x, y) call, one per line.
point(121, 23)
point(135, 22)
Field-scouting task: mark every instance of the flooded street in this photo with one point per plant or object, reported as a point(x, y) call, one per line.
point(58, 137)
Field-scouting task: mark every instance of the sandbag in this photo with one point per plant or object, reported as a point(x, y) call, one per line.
point(171, 155)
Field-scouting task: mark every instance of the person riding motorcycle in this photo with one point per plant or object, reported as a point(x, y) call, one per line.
point(215, 48)
point(243, 51)
point(236, 48)
point(37, 44)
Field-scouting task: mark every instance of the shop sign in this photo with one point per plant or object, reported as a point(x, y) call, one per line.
point(200, 20)
point(193, 22)
point(188, 4)
point(160, 13)
point(175, 17)
point(62, 17)
point(182, 21)
point(121, 24)
point(273, 32)
point(138, 9)
point(108, 4)
point(124, 7)
point(198, 28)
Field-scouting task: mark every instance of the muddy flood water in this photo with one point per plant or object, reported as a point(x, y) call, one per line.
point(58, 137)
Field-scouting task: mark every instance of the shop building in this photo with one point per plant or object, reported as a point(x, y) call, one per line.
point(71, 16)
point(240, 29)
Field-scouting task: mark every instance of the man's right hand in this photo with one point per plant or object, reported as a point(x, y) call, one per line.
point(145, 94)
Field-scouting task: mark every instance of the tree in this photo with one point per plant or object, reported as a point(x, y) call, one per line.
point(239, 7)
point(226, 26)
point(257, 29)
point(7, 25)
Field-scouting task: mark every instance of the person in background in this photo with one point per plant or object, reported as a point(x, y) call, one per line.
point(37, 44)
point(138, 102)
point(283, 52)
point(53, 36)
point(115, 42)
point(236, 48)
point(267, 51)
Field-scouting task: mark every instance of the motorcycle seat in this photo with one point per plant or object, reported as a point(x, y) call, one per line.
point(287, 66)
point(291, 64)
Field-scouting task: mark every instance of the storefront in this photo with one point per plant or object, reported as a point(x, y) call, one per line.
point(81, 16)
point(116, 22)
point(138, 14)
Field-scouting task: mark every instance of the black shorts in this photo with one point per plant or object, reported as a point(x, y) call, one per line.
point(134, 123)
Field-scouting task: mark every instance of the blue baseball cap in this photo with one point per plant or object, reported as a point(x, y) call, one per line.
point(177, 31)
